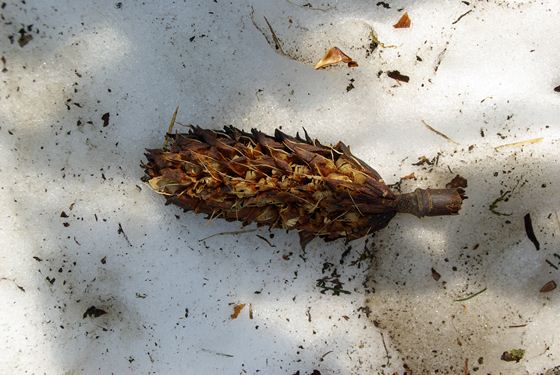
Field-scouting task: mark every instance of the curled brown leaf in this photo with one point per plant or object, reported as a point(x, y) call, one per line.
point(334, 56)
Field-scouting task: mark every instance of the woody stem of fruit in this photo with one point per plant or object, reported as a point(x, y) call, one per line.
point(430, 202)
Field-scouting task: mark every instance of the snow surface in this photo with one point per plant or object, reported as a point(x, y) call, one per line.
point(485, 80)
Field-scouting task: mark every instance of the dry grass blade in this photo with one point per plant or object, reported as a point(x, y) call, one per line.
point(520, 143)
point(439, 133)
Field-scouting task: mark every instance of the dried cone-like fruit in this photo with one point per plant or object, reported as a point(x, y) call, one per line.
point(285, 182)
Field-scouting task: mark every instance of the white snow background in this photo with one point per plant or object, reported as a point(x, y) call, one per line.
point(484, 80)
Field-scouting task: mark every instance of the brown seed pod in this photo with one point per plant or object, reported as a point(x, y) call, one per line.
point(283, 182)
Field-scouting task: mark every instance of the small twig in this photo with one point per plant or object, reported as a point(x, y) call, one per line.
point(494, 204)
point(274, 37)
point(438, 132)
point(461, 16)
point(466, 367)
point(227, 233)
point(520, 143)
point(309, 6)
point(471, 296)
point(439, 59)
point(518, 325)
point(170, 127)
point(216, 353)
point(324, 355)
point(388, 363)
point(530, 231)
point(121, 231)
point(15, 283)
point(265, 240)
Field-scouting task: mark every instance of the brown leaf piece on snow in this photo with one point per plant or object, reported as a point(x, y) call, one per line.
point(396, 75)
point(457, 182)
point(334, 56)
point(403, 22)
point(237, 310)
point(548, 287)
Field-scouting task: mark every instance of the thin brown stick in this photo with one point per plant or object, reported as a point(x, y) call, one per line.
point(461, 16)
point(439, 133)
point(227, 234)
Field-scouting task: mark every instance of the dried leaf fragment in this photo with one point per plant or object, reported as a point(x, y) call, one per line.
point(513, 355)
point(435, 275)
point(410, 176)
point(457, 182)
point(93, 312)
point(237, 310)
point(403, 22)
point(548, 287)
point(334, 56)
point(396, 75)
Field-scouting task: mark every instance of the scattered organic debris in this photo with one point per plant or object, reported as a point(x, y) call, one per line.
point(557, 89)
point(396, 75)
point(237, 310)
point(350, 85)
point(227, 234)
point(403, 22)
point(251, 311)
point(266, 240)
point(457, 182)
point(548, 287)
point(93, 312)
point(216, 353)
point(13, 281)
point(410, 176)
point(4, 68)
point(25, 37)
point(504, 197)
point(334, 56)
point(374, 42)
point(435, 275)
point(121, 231)
point(519, 144)
point(470, 296)
point(530, 232)
point(274, 37)
point(332, 283)
point(513, 355)
point(310, 6)
point(423, 160)
point(324, 355)
point(105, 119)
point(275, 42)
point(461, 16)
point(439, 59)
point(438, 132)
